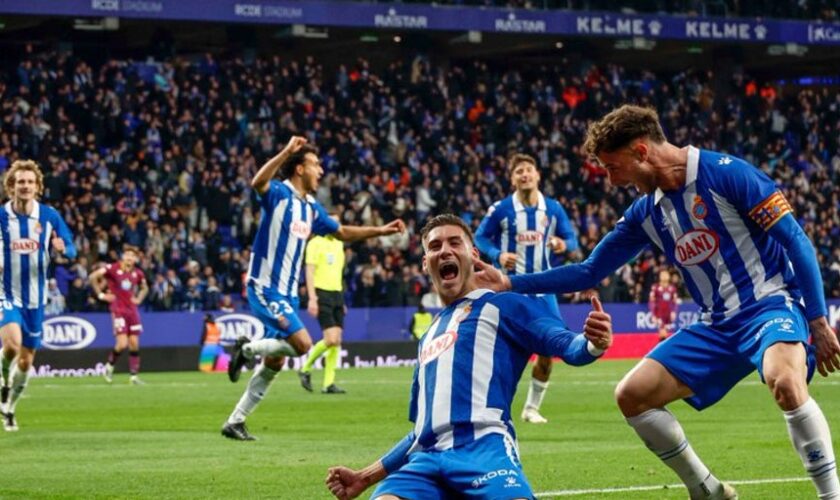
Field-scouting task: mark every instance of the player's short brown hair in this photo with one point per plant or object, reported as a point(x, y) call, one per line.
point(518, 158)
point(445, 220)
point(23, 166)
point(287, 169)
point(619, 127)
point(131, 248)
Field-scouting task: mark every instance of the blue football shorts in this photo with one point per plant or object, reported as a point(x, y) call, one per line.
point(278, 313)
point(486, 468)
point(711, 359)
point(30, 320)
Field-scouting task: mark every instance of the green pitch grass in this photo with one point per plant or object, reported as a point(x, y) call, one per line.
point(83, 438)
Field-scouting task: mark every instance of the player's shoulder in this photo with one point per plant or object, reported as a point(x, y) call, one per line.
point(640, 209)
point(501, 207)
point(48, 211)
point(515, 305)
point(715, 167)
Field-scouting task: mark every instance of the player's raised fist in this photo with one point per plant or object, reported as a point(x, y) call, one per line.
point(57, 243)
point(294, 144)
point(556, 244)
point(393, 227)
point(598, 326)
point(508, 260)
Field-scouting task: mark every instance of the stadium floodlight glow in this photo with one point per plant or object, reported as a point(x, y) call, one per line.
point(397, 39)
point(100, 24)
point(635, 43)
point(304, 31)
point(559, 45)
point(788, 49)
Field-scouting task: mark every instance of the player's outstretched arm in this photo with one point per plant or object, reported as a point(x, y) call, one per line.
point(612, 252)
point(355, 233)
point(268, 171)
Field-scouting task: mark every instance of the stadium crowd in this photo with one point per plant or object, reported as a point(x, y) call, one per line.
point(790, 9)
point(159, 155)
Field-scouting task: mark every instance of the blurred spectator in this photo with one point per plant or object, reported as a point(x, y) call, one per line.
point(55, 300)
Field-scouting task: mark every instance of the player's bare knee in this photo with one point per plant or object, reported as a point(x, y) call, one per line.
point(788, 387)
point(24, 363)
point(274, 362)
point(630, 398)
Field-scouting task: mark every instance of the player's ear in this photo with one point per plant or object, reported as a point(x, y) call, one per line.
point(425, 265)
point(641, 149)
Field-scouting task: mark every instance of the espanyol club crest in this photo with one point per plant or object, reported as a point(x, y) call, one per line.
point(38, 229)
point(544, 220)
point(699, 210)
point(465, 312)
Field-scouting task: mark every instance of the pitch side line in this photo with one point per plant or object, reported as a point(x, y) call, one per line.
point(568, 493)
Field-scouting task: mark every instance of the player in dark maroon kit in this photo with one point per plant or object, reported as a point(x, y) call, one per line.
point(123, 280)
point(663, 304)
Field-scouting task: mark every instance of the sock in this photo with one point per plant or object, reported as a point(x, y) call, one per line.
point(113, 356)
point(269, 347)
point(536, 392)
point(5, 363)
point(811, 438)
point(664, 436)
point(134, 362)
point(257, 387)
point(330, 364)
point(19, 379)
point(315, 353)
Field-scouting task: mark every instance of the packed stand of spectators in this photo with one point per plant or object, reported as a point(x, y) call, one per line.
point(826, 10)
point(159, 155)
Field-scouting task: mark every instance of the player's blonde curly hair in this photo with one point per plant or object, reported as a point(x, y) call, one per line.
point(23, 166)
point(620, 127)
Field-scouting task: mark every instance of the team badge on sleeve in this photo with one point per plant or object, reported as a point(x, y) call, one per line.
point(770, 211)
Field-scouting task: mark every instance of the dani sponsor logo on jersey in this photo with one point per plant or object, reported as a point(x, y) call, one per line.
point(25, 246)
point(529, 238)
point(235, 325)
point(437, 346)
point(696, 247)
point(300, 229)
point(67, 333)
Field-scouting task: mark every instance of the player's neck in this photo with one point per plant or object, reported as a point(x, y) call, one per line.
point(528, 198)
point(297, 183)
point(125, 267)
point(23, 206)
point(670, 164)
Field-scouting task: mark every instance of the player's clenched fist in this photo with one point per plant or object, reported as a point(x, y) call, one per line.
point(598, 326)
point(294, 144)
point(345, 483)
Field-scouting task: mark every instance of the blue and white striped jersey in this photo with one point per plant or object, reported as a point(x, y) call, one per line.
point(510, 226)
point(729, 231)
point(287, 221)
point(25, 253)
point(470, 361)
point(714, 230)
